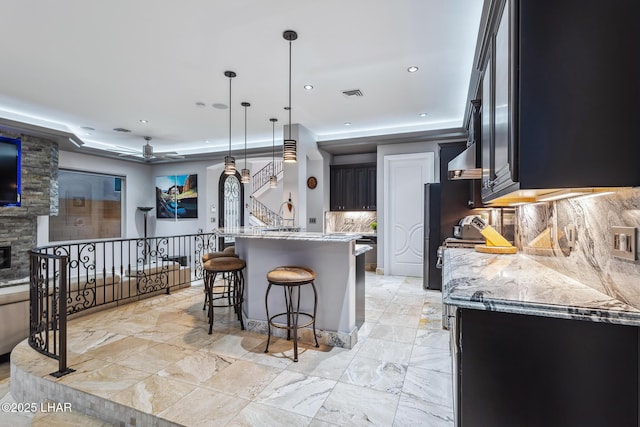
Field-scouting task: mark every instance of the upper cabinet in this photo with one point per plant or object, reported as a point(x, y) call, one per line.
point(353, 187)
point(559, 81)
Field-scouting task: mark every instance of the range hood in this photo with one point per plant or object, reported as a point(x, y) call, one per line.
point(464, 165)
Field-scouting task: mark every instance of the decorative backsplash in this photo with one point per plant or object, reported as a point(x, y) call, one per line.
point(349, 222)
point(543, 232)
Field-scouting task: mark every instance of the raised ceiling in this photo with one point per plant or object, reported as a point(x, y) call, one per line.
point(71, 65)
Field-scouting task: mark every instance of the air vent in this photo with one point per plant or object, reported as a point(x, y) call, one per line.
point(352, 92)
point(121, 130)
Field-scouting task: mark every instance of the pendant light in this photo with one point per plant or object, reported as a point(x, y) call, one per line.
point(289, 146)
point(273, 179)
point(229, 161)
point(245, 175)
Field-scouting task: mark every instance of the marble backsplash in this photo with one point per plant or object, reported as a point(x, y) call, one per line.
point(349, 222)
point(543, 230)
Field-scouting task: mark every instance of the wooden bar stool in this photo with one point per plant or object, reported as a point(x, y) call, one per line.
point(291, 278)
point(206, 257)
point(233, 288)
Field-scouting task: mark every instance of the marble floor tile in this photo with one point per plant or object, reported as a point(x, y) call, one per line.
point(428, 386)
point(153, 394)
point(393, 333)
point(386, 351)
point(257, 414)
point(297, 393)
point(434, 359)
point(414, 412)
point(433, 339)
point(375, 374)
point(204, 407)
point(197, 367)
point(394, 319)
point(243, 379)
point(105, 381)
point(120, 349)
point(156, 358)
point(350, 405)
point(156, 355)
point(326, 362)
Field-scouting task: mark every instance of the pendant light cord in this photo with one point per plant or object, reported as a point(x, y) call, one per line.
point(245, 137)
point(230, 116)
point(289, 89)
point(273, 146)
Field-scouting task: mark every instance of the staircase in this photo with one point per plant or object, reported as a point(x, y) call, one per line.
point(260, 179)
point(261, 214)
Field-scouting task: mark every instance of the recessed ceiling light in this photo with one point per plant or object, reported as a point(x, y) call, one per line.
point(423, 114)
point(348, 123)
point(412, 69)
point(220, 106)
point(143, 121)
point(308, 87)
point(206, 141)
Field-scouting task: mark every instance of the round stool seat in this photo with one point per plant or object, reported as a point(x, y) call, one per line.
point(229, 250)
point(224, 264)
point(291, 275)
point(212, 255)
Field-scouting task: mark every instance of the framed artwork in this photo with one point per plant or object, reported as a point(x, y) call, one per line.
point(177, 196)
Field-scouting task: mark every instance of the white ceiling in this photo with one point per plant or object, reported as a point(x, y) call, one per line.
point(66, 64)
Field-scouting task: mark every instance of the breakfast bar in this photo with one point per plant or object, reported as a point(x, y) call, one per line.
point(339, 278)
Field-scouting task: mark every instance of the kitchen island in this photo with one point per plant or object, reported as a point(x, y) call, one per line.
point(339, 266)
point(533, 347)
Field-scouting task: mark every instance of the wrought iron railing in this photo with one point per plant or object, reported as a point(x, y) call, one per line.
point(261, 178)
point(264, 214)
point(67, 279)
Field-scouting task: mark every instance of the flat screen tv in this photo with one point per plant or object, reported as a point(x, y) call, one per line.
point(9, 172)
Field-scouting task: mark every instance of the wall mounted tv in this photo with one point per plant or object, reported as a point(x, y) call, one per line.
point(10, 156)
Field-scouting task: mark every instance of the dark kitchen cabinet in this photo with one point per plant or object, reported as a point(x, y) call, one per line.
point(353, 187)
point(558, 96)
point(522, 370)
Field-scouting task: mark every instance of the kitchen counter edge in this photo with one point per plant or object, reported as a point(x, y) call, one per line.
point(520, 285)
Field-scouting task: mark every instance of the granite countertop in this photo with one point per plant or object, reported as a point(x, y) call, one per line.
point(518, 284)
point(360, 249)
point(265, 233)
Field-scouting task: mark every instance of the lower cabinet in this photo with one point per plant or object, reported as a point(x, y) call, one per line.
point(520, 370)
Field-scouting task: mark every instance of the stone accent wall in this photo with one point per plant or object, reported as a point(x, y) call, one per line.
point(542, 231)
point(39, 197)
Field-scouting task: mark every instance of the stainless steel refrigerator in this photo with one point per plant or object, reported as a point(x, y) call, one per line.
point(445, 204)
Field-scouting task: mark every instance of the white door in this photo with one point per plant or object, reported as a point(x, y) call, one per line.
point(405, 176)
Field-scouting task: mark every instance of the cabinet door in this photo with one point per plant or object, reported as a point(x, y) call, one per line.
point(371, 198)
point(487, 125)
point(336, 195)
point(503, 143)
point(361, 188)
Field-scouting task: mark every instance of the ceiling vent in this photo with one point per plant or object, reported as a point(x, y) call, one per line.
point(352, 92)
point(121, 130)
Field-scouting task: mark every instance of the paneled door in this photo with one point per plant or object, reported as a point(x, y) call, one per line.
point(404, 177)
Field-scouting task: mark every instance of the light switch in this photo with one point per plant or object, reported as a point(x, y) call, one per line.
point(624, 242)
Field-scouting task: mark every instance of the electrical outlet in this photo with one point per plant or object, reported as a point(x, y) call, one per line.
point(571, 233)
point(312, 220)
point(624, 242)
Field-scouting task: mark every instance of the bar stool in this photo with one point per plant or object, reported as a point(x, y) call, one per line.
point(291, 278)
point(206, 257)
point(229, 250)
point(233, 288)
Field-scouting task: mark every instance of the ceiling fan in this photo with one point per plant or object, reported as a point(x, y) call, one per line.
point(148, 154)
